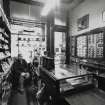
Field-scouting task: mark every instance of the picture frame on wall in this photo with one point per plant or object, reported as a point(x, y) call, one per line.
point(83, 22)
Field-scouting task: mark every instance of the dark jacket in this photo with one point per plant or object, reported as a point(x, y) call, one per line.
point(17, 68)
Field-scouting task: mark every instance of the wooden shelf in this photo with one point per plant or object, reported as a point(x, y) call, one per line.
point(3, 42)
point(3, 49)
point(5, 58)
point(5, 36)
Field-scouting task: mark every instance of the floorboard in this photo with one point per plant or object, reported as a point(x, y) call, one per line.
point(90, 97)
point(18, 98)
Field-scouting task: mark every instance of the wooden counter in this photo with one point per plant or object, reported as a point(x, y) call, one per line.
point(60, 72)
point(94, 66)
point(60, 81)
point(101, 81)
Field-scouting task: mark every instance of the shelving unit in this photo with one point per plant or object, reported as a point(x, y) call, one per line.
point(5, 58)
point(89, 45)
point(81, 46)
point(5, 48)
point(73, 44)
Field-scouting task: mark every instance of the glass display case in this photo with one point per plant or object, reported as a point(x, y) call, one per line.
point(62, 80)
point(74, 82)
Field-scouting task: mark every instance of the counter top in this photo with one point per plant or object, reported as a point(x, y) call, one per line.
point(64, 72)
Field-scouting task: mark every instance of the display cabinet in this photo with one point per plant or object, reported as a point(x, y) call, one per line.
point(82, 46)
point(73, 46)
point(90, 50)
point(48, 62)
point(5, 37)
point(101, 81)
point(89, 45)
point(5, 58)
point(70, 86)
point(5, 85)
point(75, 83)
point(62, 81)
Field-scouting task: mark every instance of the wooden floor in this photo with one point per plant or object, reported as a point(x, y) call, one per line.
point(90, 97)
point(19, 99)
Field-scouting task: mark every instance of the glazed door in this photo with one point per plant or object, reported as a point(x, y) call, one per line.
point(60, 47)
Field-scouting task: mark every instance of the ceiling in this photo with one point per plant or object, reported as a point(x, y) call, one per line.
point(41, 2)
point(33, 2)
point(65, 4)
point(63, 1)
point(22, 8)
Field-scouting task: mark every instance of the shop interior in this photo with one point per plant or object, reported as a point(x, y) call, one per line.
point(52, 52)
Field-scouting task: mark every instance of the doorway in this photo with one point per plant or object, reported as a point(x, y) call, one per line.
point(60, 47)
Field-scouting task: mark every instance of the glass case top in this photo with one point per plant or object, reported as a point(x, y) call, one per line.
point(61, 72)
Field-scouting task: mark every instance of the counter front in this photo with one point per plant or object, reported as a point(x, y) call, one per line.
point(61, 81)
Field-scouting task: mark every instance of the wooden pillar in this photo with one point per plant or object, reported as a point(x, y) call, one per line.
point(67, 41)
point(50, 35)
point(6, 8)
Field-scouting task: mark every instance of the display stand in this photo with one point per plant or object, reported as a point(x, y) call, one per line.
point(5, 58)
point(89, 51)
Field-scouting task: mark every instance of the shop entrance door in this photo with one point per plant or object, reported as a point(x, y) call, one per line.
point(60, 47)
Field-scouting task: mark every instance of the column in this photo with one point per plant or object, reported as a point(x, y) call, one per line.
point(50, 35)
